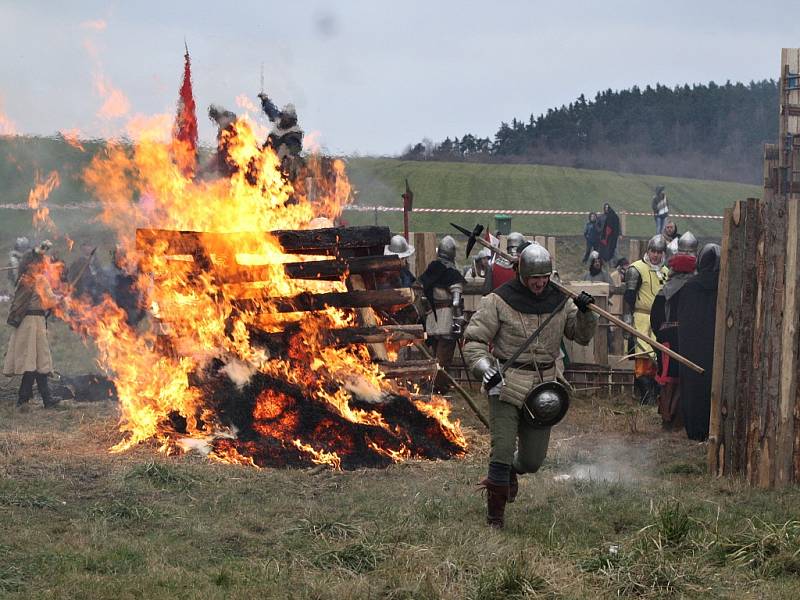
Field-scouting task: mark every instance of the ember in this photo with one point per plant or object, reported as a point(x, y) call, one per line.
point(253, 353)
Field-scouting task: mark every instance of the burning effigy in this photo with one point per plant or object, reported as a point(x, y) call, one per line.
point(254, 349)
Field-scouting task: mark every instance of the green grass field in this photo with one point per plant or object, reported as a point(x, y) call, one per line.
point(380, 181)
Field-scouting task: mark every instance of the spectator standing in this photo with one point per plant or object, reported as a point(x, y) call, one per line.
point(591, 232)
point(610, 234)
point(660, 208)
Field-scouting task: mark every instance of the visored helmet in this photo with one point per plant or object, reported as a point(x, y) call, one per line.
point(687, 244)
point(513, 241)
point(399, 246)
point(447, 248)
point(534, 260)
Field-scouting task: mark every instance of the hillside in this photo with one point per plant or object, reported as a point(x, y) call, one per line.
point(470, 185)
point(381, 181)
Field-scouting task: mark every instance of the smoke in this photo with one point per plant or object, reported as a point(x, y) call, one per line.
point(239, 372)
point(618, 461)
point(363, 390)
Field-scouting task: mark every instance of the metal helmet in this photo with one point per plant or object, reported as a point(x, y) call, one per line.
point(534, 260)
point(289, 111)
point(687, 244)
point(545, 405)
point(22, 244)
point(399, 246)
point(446, 249)
point(513, 241)
point(657, 243)
point(484, 253)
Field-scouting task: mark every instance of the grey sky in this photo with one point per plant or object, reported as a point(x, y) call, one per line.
point(371, 77)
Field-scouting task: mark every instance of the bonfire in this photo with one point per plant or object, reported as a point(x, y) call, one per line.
point(191, 375)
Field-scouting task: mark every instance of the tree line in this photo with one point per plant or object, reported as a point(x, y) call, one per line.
point(705, 131)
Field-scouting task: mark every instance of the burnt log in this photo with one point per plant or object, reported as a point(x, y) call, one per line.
point(308, 301)
point(331, 240)
point(327, 270)
point(345, 337)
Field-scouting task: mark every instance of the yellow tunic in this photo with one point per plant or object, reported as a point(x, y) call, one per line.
point(652, 282)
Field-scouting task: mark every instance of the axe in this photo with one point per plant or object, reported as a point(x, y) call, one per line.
point(594, 308)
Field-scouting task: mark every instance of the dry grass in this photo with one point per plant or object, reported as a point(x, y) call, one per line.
point(634, 517)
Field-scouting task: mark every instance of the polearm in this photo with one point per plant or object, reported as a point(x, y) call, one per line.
point(456, 386)
point(474, 236)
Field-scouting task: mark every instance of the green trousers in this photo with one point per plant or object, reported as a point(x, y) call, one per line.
point(514, 442)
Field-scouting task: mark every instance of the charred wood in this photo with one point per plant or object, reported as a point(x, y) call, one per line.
point(329, 270)
point(344, 337)
point(306, 301)
point(331, 240)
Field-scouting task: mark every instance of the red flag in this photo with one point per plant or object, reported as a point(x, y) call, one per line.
point(491, 239)
point(184, 132)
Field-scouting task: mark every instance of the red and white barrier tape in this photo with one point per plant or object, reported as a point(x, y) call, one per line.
point(463, 211)
point(513, 211)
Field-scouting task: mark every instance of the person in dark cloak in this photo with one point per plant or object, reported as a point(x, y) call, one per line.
point(664, 323)
point(610, 234)
point(225, 120)
point(121, 286)
point(697, 317)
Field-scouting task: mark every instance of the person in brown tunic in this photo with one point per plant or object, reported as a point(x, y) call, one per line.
point(28, 351)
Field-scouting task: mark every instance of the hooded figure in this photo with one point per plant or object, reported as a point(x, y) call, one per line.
point(597, 272)
point(664, 323)
point(611, 232)
point(696, 322)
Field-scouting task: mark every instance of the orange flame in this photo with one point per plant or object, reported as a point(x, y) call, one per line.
point(196, 319)
point(37, 198)
point(7, 127)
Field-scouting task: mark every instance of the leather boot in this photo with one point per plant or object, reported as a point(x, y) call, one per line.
point(26, 388)
point(496, 498)
point(513, 487)
point(44, 390)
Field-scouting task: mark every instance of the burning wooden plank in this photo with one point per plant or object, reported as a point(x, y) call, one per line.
point(411, 369)
point(329, 270)
point(306, 301)
point(330, 240)
point(351, 335)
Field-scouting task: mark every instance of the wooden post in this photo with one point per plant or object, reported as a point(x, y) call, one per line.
point(755, 416)
point(551, 248)
point(424, 243)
